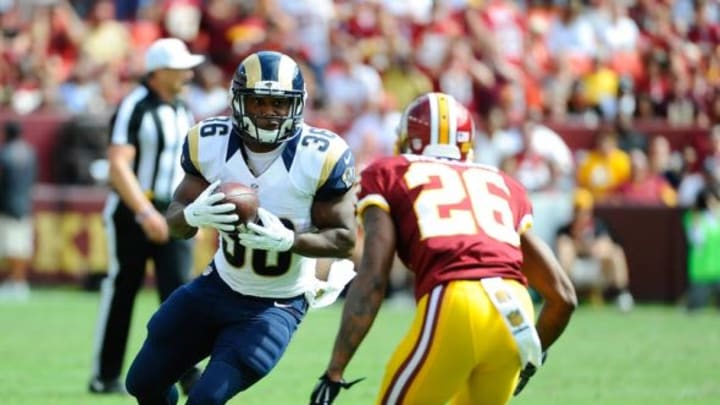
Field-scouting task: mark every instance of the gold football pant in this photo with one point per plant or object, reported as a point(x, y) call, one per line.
point(458, 349)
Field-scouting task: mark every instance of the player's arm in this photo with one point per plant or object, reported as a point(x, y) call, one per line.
point(185, 193)
point(195, 201)
point(336, 229)
point(333, 236)
point(197, 204)
point(333, 211)
point(547, 277)
point(362, 303)
point(367, 291)
point(332, 215)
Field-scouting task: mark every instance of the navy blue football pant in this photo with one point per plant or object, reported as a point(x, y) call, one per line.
point(244, 337)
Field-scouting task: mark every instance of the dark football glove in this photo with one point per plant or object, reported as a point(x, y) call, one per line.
point(526, 373)
point(326, 390)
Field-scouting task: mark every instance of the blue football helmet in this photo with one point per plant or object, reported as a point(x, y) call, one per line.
point(268, 74)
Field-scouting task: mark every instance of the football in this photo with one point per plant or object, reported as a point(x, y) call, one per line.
point(244, 198)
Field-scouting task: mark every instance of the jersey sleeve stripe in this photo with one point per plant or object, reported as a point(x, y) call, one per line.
point(372, 200)
point(186, 163)
point(193, 141)
point(525, 223)
point(334, 153)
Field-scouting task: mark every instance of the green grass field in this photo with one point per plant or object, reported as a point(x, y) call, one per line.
point(654, 355)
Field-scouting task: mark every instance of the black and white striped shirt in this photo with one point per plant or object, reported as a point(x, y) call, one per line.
point(156, 129)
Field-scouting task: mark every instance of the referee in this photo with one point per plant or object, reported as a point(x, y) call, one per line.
point(147, 133)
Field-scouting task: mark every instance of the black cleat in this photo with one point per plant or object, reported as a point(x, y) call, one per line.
point(98, 386)
point(188, 380)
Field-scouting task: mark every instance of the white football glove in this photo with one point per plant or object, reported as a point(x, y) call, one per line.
point(271, 235)
point(325, 293)
point(203, 212)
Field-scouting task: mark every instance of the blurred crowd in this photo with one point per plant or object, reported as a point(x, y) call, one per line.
point(518, 65)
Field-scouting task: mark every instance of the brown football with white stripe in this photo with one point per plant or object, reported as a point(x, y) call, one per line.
point(244, 198)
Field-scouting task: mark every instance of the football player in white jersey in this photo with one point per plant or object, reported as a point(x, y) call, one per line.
point(246, 306)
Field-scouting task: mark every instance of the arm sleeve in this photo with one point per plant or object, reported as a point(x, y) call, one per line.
point(375, 181)
point(521, 205)
point(340, 179)
point(189, 159)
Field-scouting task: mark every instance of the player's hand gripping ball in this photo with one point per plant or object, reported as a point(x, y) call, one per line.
point(245, 200)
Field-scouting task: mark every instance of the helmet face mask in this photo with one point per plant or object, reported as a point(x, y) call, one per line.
point(435, 124)
point(273, 82)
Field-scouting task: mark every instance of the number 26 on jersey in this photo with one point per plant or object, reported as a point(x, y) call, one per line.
point(441, 212)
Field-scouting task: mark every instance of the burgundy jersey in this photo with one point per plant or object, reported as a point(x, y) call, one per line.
point(453, 220)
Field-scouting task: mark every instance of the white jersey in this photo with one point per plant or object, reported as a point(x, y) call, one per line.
point(315, 164)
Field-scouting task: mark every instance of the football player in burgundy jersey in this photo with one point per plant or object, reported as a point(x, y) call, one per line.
point(463, 230)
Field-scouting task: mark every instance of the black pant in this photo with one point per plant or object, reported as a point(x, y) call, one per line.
point(128, 252)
